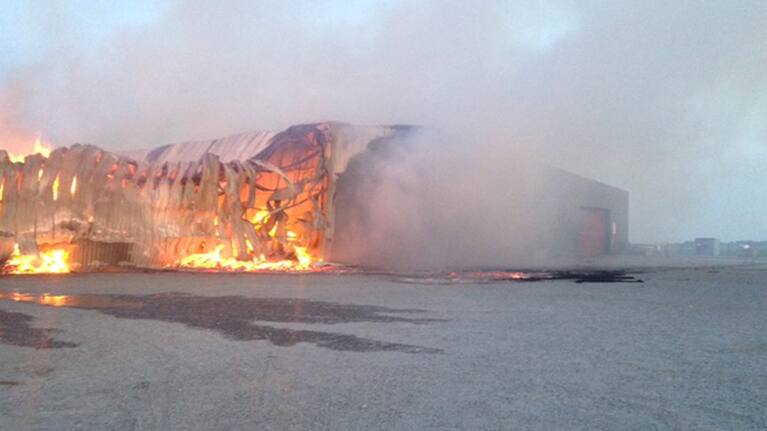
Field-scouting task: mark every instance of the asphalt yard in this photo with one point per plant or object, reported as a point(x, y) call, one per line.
point(663, 348)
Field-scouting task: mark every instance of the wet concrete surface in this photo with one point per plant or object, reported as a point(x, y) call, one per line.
point(231, 316)
point(16, 330)
point(685, 349)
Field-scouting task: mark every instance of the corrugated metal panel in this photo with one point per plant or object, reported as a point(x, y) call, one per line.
point(241, 147)
point(236, 147)
point(89, 253)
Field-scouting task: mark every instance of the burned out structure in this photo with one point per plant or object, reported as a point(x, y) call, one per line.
point(245, 200)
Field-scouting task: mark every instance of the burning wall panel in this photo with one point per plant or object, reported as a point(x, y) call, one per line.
point(179, 208)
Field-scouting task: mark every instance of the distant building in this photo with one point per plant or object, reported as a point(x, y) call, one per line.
point(706, 247)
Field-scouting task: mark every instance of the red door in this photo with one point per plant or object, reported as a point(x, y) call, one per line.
point(593, 238)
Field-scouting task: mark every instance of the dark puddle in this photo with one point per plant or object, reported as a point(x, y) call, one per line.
point(16, 330)
point(601, 277)
point(482, 277)
point(235, 316)
point(576, 276)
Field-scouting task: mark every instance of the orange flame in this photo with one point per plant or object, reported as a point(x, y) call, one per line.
point(39, 147)
point(260, 217)
point(214, 261)
point(73, 187)
point(54, 261)
point(305, 260)
point(55, 188)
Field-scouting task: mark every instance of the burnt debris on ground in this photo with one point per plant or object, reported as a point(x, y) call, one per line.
point(602, 277)
point(237, 317)
point(493, 276)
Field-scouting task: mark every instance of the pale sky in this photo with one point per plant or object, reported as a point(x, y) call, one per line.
point(665, 99)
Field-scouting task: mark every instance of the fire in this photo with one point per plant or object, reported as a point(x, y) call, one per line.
point(260, 217)
point(39, 147)
point(46, 262)
point(214, 261)
point(304, 258)
point(55, 188)
point(73, 187)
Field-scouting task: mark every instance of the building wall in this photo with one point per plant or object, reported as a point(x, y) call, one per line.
point(573, 193)
point(394, 213)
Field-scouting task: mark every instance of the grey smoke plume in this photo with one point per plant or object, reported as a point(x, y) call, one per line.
point(665, 99)
point(425, 200)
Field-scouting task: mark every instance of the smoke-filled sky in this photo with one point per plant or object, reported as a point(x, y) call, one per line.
point(667, 99)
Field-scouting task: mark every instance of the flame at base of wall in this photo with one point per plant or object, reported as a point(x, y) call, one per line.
point(55, 261)
point(214, 261)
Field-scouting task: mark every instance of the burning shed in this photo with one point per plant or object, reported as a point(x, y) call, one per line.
point(262, 202)
point(255, 201)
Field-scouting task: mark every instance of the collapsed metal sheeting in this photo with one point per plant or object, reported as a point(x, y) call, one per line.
point(108, 209)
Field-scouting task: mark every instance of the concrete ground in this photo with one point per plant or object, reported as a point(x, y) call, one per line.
point(685, 349)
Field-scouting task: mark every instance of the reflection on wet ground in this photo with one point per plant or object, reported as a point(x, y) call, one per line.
point(483, 277)
point(234, 316)
point(15, 329)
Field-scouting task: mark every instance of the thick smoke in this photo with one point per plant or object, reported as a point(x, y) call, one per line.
point(665, 99)
point(426, 201)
